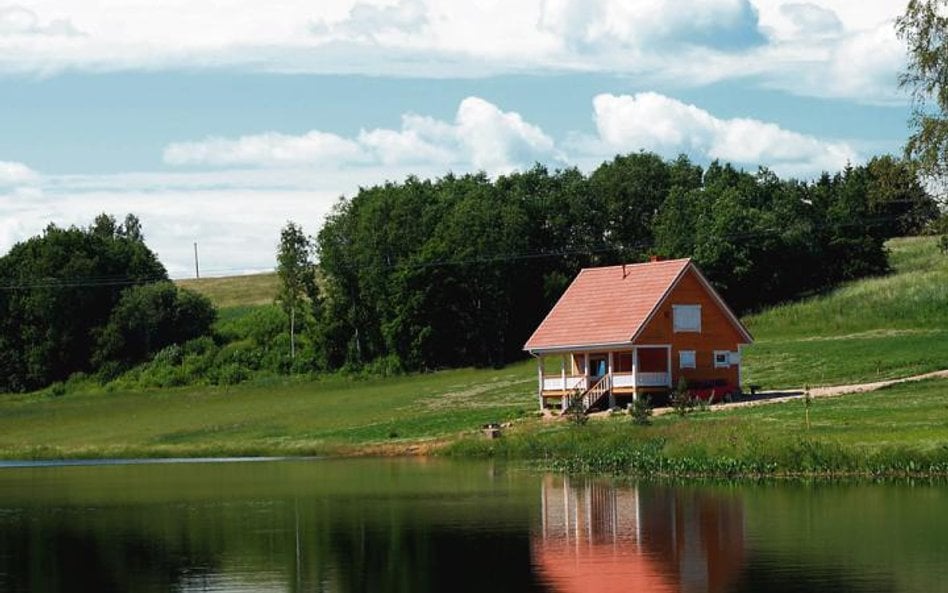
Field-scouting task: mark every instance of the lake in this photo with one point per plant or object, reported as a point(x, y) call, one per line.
point(435, 525)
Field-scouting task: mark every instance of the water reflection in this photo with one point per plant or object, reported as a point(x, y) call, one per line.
point(419, 526)
point(367, 525)
point(597, 537)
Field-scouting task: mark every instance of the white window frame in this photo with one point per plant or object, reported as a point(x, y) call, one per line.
point(727, 359)
point(681, 359)
point(675, 323)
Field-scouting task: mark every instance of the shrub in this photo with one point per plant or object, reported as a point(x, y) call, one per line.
point(681, 399)
point(575, 412)
point(641, 410)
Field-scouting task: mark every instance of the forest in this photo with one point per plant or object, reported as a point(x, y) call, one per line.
point(459, 270)
point(84, 300)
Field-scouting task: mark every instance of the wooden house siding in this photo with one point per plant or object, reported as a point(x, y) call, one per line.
point(717, 332)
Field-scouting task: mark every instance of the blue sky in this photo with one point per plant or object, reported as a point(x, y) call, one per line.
point(217, 124)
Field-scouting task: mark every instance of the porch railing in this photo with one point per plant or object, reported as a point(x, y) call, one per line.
point(652, 379)
point(640, 379)
point(624, 379)
point(572, 383)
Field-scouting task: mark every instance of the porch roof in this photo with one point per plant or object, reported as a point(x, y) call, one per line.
point(606, 305)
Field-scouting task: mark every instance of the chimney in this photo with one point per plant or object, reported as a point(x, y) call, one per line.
point(654, 258)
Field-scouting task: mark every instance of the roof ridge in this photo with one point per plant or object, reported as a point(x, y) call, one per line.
point(641, 263)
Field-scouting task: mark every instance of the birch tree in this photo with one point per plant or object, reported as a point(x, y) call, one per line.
point(297, 274)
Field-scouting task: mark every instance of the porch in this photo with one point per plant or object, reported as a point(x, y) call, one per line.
point(627, 371)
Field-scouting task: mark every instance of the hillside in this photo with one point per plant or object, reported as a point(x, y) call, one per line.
point(878, 328)
point(236, 291)
point(881, 327)
point(873, 329)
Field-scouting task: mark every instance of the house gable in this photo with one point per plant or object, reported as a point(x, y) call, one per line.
point(718, 328)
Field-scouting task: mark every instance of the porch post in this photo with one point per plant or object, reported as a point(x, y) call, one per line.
point(740, 368)
point(563, 402)
point(540, 374)
point(612, 393)
point(586, 385)
point(635, 373)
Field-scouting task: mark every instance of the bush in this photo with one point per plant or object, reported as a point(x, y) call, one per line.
point(149, 318)
point(641, 410)
point(575, 412)
point(681, 399)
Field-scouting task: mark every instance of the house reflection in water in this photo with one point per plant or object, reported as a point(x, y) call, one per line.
point(596, 537)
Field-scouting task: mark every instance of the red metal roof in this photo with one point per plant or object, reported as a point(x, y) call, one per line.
point(606, 305)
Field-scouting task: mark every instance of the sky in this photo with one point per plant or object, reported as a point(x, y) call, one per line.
point(218, 122)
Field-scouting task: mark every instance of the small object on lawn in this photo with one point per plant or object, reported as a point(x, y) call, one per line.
point(754, 389)
point(807, 402)
point(491, 430)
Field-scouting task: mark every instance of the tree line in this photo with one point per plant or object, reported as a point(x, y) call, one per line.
point(89, 300)
point(459, 270)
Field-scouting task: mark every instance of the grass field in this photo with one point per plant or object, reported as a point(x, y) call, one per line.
point(874, 329)
point(877, 328)
point(900, 429)
point(236, 291)
point(275, 417)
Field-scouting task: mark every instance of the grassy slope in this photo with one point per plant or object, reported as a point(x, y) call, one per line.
point(903, 316)
point(236, 291)
point(282, 417)
point(869, 330)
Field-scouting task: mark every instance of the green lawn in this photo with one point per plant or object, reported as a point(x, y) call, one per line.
point(900, 429)
point(274, 417)
point(874, 329)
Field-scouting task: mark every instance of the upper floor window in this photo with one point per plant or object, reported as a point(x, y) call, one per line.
point(687, 318)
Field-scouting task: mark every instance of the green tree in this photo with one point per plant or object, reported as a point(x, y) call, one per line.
point(898, 203)
point(59, 288)
point(149, 317)
point(297, 274)
point(924, 29)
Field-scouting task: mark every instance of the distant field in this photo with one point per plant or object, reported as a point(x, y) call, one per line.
point(873, 329)
point(234, 291)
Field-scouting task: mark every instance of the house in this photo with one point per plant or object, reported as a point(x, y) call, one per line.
point(622, 331)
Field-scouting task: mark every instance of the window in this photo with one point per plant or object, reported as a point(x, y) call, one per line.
point(686, 359)
point(722, 359)
point(687, 318)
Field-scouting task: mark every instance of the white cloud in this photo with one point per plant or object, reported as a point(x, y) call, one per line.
point(17, 20)
point(13, 174)
point(650, 121)
point(498, 141)
point(269, 149)
point(481, 137)
point(685, 42)
point(805, 19)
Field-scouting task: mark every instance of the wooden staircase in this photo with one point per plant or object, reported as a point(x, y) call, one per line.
point(594, 394)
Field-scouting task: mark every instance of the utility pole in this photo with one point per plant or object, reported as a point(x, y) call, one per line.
point(197, 271)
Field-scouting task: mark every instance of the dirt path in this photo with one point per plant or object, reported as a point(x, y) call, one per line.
point(771, 397)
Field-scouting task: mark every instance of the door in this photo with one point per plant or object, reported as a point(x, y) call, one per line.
point(597, 365)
